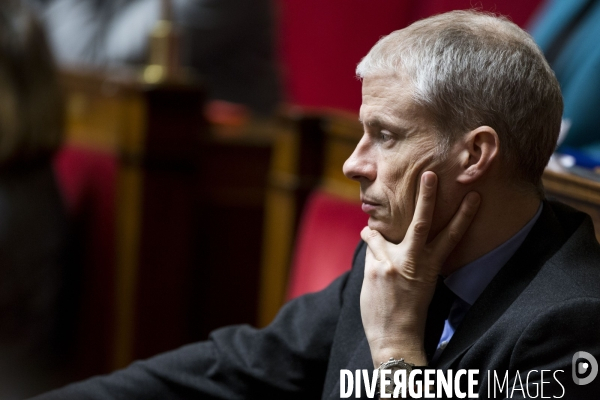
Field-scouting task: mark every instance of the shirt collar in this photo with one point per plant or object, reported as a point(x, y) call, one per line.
point(470, 281)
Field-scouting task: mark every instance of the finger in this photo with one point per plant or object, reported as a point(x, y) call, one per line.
point(448, 238)
point(418, 231)
point(376, 242)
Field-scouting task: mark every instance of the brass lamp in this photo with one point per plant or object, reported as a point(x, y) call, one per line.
point(164, 49)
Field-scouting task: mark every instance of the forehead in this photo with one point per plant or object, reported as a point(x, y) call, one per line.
point(388, 100)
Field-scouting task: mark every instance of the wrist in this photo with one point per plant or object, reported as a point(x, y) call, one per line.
point(404, 339)
point(412, 353)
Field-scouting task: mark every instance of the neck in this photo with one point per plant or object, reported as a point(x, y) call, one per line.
point(500, 217)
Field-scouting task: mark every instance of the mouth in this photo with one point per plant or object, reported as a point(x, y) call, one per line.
point(369, 206)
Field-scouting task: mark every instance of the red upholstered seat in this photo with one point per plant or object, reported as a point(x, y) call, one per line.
point(87, 175)
point(87, 179)
point(328, 234)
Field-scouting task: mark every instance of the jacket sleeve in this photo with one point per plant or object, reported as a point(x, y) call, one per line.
point(287, 358)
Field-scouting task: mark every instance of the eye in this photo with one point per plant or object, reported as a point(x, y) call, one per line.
point(385, 135)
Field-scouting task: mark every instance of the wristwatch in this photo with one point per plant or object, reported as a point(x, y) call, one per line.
point(395, 365)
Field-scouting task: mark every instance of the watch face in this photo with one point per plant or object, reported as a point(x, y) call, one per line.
point(390, 388)
point(396, 366)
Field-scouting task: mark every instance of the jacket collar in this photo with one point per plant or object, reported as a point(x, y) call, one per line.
point(546, 237)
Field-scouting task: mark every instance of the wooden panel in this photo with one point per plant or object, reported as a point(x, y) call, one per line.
point(296, 169)
point(280, 221)
point(128, 222)
point(107, 115)
point(154, 133)
point(189, 211)
point(231, 200)
point(98, 109)
point(130, 188)
point(168, 164)
point(578, 192)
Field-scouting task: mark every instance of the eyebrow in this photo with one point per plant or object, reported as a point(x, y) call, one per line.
point(372, 122)
point(388, 124)
point(377, 122)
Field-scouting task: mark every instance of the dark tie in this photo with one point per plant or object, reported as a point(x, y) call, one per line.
point(438, 311)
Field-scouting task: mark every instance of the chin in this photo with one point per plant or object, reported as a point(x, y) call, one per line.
point(386, 230)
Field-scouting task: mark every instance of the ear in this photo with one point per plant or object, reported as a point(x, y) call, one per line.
point(480, 148)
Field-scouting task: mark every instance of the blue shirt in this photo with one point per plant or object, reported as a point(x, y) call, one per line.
point(471, 280)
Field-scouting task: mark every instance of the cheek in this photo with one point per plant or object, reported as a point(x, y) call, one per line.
point(415, 163)
point(449, 196)
point(403, 181)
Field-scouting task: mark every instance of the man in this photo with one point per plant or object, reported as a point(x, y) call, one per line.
point(461, 113)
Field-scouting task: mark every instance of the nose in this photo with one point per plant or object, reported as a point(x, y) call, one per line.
point(361, 164)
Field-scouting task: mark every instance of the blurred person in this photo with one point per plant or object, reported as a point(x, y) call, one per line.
point(229, 43)
point(33, 223)
point(465, 265)
point(568, 32)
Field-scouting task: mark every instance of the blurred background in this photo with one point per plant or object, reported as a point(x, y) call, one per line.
point(168, 167)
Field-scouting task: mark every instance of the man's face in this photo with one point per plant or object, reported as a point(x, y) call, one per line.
point(398, 146)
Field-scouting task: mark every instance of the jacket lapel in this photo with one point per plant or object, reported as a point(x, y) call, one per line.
point(545, 238)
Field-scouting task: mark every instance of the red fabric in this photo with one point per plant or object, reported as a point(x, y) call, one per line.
point(321, 42)
point(86, 175)
point(328, 234)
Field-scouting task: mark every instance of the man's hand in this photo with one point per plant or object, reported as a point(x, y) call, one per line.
point(400, 279)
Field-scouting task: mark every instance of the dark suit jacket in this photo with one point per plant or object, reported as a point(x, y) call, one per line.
point(540, 309)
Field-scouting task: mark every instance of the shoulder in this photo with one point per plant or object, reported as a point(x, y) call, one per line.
point(575, 267)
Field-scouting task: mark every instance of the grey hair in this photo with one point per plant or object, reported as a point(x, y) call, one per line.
point(468, 69)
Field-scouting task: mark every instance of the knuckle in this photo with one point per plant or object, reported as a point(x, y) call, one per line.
point(372, 234)
point(421, 227)
point(454, 236)
point(372, 273)
point(381, 270)
point(469, 211)
point(367, 235)
point(427, 195)
point(388, 269)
